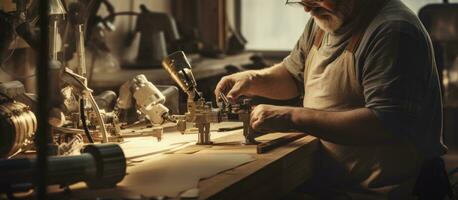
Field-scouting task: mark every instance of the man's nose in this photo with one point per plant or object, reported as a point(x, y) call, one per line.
point(308, 8)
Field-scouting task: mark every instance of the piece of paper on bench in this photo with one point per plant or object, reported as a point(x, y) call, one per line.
point(174, 174)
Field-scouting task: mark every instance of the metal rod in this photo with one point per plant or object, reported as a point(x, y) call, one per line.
point(55, 29)
point(95, 107)
point(42, 79)
point(81, 51)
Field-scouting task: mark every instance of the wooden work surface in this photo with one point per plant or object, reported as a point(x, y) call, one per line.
point(269, 176)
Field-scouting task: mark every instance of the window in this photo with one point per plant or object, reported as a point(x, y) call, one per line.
point(270, 25)
point(416, 5)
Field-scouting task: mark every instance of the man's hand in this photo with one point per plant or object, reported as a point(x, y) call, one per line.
point(273, 83)
point(235, 85)
point(267, 118)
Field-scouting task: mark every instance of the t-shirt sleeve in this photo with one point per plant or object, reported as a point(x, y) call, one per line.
point(294, 63)
point(396, 74)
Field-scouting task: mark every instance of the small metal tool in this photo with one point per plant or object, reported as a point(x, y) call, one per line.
point(224, 99)
point(243, 111)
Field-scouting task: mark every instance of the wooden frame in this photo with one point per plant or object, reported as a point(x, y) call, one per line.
point(209, 16)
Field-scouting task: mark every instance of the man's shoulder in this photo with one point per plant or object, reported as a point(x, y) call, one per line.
point(396, 18)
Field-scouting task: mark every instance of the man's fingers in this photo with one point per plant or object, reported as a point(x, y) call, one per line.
point(260, 126)
point(221, 87)
point(235, 92)
point(256, 118)
point(255, 125)
point(253, 118)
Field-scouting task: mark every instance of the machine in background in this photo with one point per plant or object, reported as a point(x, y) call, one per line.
point(77, 116)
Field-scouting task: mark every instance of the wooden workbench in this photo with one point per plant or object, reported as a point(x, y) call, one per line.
point(269, 176)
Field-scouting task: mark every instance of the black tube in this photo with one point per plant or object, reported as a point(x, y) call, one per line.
point(100, 166)
point(63, 170)
point(42, 79)
point(84, 123)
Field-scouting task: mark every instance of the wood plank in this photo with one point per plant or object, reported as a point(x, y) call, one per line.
point(271, 176)
point(270, 145)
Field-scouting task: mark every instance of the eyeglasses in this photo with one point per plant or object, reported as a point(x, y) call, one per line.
point(302, 2)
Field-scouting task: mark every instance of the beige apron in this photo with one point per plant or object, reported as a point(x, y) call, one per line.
point(388, 170)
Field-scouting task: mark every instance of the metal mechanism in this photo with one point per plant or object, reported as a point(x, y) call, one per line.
point(179, 68)
point(99, 166)
point(200, 112)
point(77, 20)
point(240, 111)
point(75, 115)
point(56, 13)
point(68, 89)
point(79, 91)
point(142, 95)
point(18, 125)
point(148, 98)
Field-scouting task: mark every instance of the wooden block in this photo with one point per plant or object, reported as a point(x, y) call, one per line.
point(271, 176)
point(273, 144)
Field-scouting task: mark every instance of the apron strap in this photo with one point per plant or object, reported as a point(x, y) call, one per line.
point(319, 34)
point(355, 41)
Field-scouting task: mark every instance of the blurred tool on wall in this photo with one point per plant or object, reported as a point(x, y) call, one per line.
point(158, 33)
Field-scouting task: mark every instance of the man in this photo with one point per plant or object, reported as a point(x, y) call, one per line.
point(371, 92)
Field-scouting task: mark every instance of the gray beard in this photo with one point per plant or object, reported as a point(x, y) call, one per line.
point(330, 24)
point(333, 21)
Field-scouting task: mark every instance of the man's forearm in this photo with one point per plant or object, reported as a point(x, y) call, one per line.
point(354, 127)
point(275, 83)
